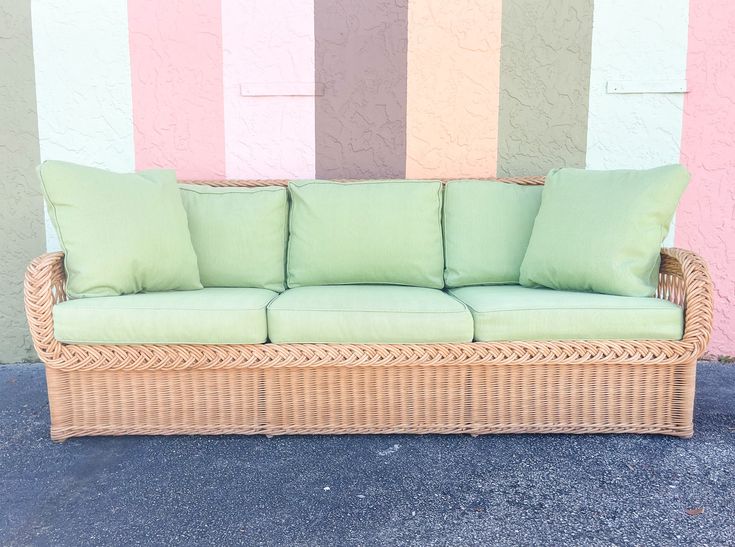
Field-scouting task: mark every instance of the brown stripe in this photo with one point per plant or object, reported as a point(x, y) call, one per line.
point(360, 58)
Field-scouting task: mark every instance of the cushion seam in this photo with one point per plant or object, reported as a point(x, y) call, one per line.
point(230, 191)
point(576, 309)
point(301, 184)
point(371, 311)
point(171, 309)
point(127, 342)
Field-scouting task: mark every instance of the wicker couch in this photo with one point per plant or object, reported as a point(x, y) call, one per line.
point(605, 386)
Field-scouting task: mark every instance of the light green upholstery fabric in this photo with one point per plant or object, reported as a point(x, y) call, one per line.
point(601, 231)
point(521, 313)
point(374, 232)
point(207, 316)
point(121, 233)
point(487, 226)
point(239, 235)
point(351, 314)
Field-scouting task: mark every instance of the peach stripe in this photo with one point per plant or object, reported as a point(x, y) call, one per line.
point(453, 87)
point(178, 105)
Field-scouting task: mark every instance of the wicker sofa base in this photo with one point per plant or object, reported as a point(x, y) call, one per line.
point(443, 398)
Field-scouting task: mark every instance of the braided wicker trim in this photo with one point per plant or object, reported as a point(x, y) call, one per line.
point(683, 279)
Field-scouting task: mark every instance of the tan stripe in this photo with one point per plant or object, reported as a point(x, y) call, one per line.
point(544, 85)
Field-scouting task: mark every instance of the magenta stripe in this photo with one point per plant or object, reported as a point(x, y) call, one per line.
point(176, 66)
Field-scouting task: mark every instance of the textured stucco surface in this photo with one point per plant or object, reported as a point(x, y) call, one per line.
point(706, 218)
point(361, 61)
point(636, 130)
point(82, 67)
point(21, 213)
point(453, 79)
point(178, 105)
point(544, 85)
point(268, 44)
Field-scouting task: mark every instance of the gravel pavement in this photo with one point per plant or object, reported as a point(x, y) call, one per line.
point(366, 490)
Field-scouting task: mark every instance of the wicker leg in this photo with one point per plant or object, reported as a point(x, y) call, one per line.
point(59, 408)
point(684, 384)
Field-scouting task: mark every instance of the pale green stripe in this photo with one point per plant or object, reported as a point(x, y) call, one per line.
point(21, 207)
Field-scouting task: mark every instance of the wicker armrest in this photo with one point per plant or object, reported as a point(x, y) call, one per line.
point(685, 280)
point(44, 286)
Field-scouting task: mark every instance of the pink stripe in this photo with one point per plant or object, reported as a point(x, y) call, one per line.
point(269, 88)
point(176, 65)
point(706, 218)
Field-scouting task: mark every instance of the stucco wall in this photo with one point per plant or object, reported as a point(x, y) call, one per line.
point(176, 69)
point(706, 221)
point(361, 61)
point(452, 90)
point(646, 53)
point(82, 62)
point(269, 88)
point(544, 85)
point(21, 209)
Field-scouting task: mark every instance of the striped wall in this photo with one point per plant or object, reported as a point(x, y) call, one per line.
point(398, 88)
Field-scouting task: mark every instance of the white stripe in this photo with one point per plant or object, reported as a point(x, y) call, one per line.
point(634, 41)
point(83, 89)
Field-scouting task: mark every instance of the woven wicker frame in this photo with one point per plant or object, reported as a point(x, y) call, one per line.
point(606, 386)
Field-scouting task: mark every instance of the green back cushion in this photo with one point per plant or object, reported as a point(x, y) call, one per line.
point(601, 231)
point(369, 232)
point(239, 235)
point(121, 233)
point(487, 226)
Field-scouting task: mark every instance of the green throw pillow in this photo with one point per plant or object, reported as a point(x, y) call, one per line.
point(239, 235)
point(121, 233)
point(601, 231)
point(487, 226)
point(386, 232)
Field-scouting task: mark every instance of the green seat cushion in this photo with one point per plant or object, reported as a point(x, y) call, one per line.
point(239, 235)
point(487, 226)
point(371, 232)
point(601, 231)
point(353, 314)
point(121, 233)
point(207, 316)
point(503, 313)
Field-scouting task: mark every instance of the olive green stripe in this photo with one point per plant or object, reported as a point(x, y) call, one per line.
point(21, 207)
point(544, 85)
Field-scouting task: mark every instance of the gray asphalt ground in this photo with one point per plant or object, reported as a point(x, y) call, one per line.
point(366, 490)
